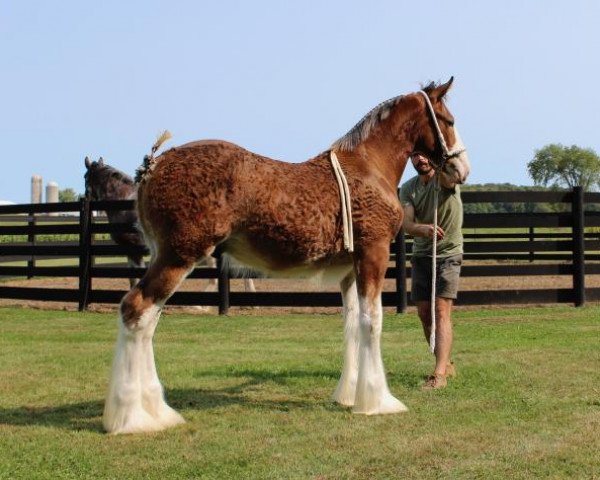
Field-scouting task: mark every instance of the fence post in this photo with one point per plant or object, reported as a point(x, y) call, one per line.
point(223, 284)
point(31, 240)
point(85, 243)
point(577, 210)
point(400, 251)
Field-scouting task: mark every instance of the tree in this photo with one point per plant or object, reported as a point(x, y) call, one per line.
point(68, 195)
point(558, 166)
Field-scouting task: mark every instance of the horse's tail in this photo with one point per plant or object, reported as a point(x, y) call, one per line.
point(149, 161)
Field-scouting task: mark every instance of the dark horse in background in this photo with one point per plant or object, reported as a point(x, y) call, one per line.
point(284, 219)
point(103, 182)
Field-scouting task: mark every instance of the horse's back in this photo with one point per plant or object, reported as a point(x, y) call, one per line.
point(209, 171)
point(203, 192)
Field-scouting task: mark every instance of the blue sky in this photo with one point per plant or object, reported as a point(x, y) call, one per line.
point(285, 79)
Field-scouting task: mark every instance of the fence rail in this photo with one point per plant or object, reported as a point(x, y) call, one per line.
point(538, 250)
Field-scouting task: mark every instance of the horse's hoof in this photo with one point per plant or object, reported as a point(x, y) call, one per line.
point(345, 397)
point(168, 417)
point(133, 421)
point(387, 405)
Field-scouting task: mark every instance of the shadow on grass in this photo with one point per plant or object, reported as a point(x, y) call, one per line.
point(268, 374)
point(87, 416)
point(201, 399)
point(76, 416)
point(255, 376)
point(252, 380)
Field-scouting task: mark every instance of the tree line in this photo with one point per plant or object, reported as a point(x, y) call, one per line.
point(553, 167)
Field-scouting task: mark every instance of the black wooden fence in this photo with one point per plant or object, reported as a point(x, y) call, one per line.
point(496, 245)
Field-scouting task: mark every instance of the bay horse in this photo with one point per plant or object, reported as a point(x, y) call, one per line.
point(105, 182)
point(283, 219)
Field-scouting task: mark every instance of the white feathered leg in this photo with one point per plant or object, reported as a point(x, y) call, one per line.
point(124, 410)
point(135, 400)
point(372, 393)
point(249, 285)
point(345, 392)
point(153, 399)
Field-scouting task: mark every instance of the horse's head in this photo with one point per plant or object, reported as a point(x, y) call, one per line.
point(103, 182)
point(92, 178)
point(438, 137)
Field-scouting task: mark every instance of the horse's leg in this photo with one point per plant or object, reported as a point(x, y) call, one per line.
point(372, 392)
point(249, 285)
point(135, 401)
point(345, 392)
point(136, 261)
point(213, 283)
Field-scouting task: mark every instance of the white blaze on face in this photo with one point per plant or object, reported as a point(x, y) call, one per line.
point(458, 168)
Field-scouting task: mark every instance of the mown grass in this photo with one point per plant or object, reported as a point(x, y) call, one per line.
point(255, 393)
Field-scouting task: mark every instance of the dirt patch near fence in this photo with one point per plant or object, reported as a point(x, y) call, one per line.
point(269, 285)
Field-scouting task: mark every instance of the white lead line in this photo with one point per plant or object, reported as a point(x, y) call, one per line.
point(436, 187)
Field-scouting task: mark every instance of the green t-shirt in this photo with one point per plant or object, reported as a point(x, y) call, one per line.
point(450, 216)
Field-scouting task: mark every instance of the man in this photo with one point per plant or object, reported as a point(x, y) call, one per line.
point(417, 197)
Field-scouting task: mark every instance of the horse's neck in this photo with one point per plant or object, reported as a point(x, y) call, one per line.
point(121, 216)
point(386, 159)
point(118, 191)
point(386, 150)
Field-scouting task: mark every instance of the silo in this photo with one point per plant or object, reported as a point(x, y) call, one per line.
point(52, 194)
point(36, 189)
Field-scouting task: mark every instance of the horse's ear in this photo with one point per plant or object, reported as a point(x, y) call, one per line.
point(88, 164)
point(439, 92)
point(100, 162)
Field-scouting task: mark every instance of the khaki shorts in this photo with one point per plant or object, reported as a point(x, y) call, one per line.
point(446, 285)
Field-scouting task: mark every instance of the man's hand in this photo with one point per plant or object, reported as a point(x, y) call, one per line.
point(427, 231)
point(418, 229)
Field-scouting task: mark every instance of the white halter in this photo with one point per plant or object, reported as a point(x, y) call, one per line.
point(446, 154)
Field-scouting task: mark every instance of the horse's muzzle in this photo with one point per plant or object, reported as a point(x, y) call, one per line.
point(457, 169)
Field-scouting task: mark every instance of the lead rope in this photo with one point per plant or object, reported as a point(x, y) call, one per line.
point(436, 189)
point(345, 201)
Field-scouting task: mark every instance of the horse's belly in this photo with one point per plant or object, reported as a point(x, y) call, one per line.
point(277, 260)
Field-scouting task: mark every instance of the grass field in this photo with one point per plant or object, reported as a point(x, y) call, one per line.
point(255, 393)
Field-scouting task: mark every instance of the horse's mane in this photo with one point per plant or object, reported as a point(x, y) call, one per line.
point(361, 131)
point(429, 87)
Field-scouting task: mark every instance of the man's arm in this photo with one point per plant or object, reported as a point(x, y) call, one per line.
point(418, 229)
